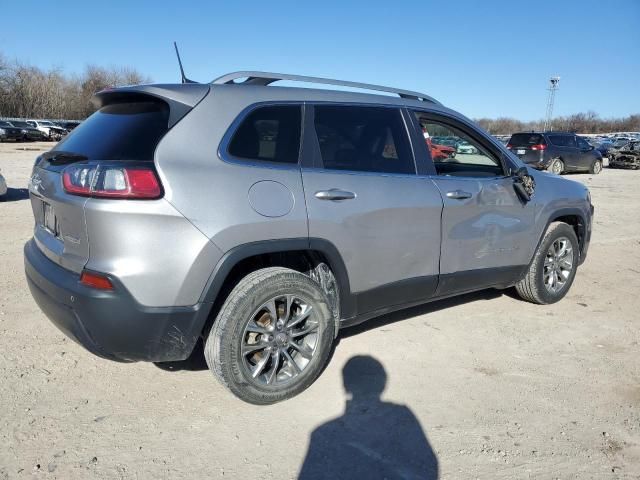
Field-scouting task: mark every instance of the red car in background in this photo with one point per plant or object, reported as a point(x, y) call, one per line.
point(440, 152)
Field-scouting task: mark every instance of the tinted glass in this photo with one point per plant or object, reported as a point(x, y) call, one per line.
point(364, 139)
point(122, 131)
point(525, 139)
point(563, 140)
point(269, 133)
point(582, 143)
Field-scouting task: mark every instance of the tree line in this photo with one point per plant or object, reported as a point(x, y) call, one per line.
point(588, 122)
point(27, 91)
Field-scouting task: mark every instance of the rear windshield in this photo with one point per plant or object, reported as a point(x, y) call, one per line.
point(525, 139)
point(121, 131)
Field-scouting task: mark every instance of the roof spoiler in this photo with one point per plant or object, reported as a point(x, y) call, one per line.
point(181, 98)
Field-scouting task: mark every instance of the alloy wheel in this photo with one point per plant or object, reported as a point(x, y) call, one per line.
point(279, 340)
point(558, 265)
point(597, 167)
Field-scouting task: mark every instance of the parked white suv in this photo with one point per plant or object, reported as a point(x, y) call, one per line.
point(53, 132)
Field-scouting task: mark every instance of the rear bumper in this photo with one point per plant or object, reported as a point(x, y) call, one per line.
point(111, 324)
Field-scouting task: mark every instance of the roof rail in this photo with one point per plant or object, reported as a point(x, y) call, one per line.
point(267, 78)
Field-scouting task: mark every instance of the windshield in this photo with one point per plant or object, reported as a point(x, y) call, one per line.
point(20, 124)
point(121, 131)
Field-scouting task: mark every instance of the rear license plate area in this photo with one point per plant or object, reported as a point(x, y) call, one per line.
point(521, 151)
point(50, 222)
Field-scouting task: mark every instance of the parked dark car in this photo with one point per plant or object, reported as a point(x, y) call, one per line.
point(9, 132)
point(557, 152)
point(28, 132)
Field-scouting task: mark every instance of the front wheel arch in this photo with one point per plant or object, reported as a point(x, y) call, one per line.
point(571, 216)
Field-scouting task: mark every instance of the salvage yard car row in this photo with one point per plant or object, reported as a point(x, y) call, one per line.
point(35, 130)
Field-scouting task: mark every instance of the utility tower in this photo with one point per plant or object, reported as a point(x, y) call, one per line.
point(553, 86)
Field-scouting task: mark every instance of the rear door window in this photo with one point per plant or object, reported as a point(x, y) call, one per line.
point(363, 139)
point(270, 134)
point(120, 131)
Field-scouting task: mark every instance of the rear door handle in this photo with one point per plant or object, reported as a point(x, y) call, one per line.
point(459, 194)
point(335, 194)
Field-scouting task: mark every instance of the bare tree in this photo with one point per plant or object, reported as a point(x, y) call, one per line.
point(28, 91)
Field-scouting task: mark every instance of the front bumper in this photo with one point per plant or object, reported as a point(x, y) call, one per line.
point(111, 324)
point(587, 236)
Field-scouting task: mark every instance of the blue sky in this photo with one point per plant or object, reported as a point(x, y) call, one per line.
point(484, 58)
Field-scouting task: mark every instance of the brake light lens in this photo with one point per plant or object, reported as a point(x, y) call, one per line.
point(112, 181)
point(540, 146)
point(95, 280)
point(509, 145)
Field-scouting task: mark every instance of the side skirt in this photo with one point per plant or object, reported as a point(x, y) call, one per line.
point(449, 285)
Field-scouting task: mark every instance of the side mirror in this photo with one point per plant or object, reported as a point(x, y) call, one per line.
point(524, 184)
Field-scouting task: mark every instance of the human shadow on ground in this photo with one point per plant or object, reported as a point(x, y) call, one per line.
point(15, 194)
point(372, 439)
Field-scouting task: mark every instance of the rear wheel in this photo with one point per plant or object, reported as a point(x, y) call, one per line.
point(553, 268)
point(557, 166)
point(272, 337)
point(596, 167)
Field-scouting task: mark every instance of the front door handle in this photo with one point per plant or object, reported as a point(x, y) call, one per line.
point(459, 194)
point(335, 194)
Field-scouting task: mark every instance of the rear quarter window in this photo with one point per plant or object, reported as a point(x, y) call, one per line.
point(270, 133)
point(121, 131)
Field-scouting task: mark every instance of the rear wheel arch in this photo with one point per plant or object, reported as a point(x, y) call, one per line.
point(299, 254)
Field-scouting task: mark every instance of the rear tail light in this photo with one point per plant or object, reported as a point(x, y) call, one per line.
point(95, 280)
point(540, 146)
point(112, 181)
point(509, 145)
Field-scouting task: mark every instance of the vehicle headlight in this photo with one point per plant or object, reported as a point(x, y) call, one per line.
point(2, 131)
point(23, 131)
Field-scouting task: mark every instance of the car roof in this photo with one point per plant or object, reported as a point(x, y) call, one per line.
point(259, 86)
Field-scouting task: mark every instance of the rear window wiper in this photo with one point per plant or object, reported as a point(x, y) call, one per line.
point(60, 157)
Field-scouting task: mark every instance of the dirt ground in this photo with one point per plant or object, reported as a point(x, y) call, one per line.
point(492, 387)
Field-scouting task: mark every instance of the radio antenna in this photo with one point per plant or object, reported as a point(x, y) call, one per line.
point(183, 77)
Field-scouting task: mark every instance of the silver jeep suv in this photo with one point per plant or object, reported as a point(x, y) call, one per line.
point(263, 219)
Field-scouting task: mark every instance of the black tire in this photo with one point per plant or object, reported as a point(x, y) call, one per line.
point(596, 167)
point(532, 287)
point(556, 166)
point(228, 335)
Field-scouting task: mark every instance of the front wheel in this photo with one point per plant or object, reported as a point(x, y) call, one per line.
point(596, 167)
point(553, 268)
point(272, 337)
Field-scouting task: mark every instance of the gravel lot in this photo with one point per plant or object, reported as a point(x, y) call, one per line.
point(500, 388)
